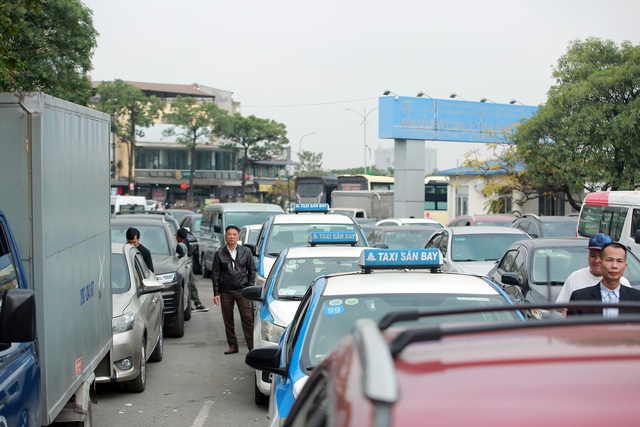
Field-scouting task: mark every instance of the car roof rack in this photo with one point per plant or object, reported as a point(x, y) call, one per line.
point(436, 332)
point(376, 355)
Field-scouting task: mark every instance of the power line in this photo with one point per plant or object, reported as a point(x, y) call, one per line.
point(307, 105)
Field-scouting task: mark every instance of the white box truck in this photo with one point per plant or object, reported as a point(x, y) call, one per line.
point(55, 260)
point(376, 204)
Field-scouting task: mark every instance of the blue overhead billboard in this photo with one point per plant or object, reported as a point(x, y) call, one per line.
point(448, 120)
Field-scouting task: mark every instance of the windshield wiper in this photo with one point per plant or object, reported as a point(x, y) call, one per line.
point(290, 297)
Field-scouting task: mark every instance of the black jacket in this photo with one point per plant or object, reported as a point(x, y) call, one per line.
point(226, 277)
point(146, 256)
point(593, 294)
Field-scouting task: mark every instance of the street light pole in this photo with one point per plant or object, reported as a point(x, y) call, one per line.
point(302, 137)
point(364, 124)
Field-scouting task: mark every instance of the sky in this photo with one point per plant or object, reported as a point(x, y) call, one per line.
point(320, 66)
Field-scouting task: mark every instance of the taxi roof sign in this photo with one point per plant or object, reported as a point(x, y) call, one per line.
point(332, 237)
point(380, 259)
point(311, 207)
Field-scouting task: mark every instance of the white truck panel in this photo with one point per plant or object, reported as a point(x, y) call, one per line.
point(55, 172)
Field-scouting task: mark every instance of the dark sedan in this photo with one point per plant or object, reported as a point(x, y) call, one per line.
point(170, 267)
point(534, 270)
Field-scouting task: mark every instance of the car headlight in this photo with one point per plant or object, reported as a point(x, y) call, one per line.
point(166, 277)
point(270, 332)
point(123, 323)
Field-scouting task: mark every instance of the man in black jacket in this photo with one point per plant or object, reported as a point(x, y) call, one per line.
point(614, 262)
point(234, 268)
point(133, 237)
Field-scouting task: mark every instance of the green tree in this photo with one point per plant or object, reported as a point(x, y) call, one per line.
point(130, 110)
point(310, 163)
point(47, 46)
point(263, 139)
point(194, 125)
point(586, 135)
point(282, 192)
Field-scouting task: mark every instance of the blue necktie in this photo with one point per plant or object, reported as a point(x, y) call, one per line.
point(610, 298)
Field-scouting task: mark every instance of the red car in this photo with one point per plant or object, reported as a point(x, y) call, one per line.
point(561, 372)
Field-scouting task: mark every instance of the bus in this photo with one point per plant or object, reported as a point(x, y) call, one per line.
point(315, 189)
point(364, 182)
point(616, 213)
point(435, 198)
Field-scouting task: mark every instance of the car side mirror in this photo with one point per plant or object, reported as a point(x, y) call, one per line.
point(251, 247)
point(253, 293)
point(512, 279)
point(637, 236)
point(266, 359)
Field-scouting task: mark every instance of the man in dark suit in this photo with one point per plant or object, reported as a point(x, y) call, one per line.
point(614, 262)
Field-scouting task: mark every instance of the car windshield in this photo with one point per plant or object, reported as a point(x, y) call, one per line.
point(251, 236)
point(560, 229)
point(283, 236)
point(482, 247)
point(402, 239)
point(153, 238)
point(240, 219)
point(494, 223)
point(296, 275)
point(564, 261)
point(120, 280)
point(561, 263)
point(196, 224)
point(335, 316)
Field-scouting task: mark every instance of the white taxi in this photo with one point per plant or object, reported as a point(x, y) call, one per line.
point(412, 282)
point(284, 231)
point(276, 302)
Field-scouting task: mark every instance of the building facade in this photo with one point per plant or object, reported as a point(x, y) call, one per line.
point(162, 165)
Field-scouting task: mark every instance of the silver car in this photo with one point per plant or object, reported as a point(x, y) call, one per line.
point(137, 318)
point(473, 250)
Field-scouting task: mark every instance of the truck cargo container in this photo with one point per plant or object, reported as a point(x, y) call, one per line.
point(377, 204)
point(55, 265)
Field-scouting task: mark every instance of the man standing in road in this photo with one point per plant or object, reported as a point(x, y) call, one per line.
point(614, 261)
point(234, 269)
point(181, 237)
point(133, 237)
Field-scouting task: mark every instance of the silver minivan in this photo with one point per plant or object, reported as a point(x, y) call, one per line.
point(218, 216)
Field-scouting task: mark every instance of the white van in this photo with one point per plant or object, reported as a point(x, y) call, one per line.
point(128, 204)
point(616, 213)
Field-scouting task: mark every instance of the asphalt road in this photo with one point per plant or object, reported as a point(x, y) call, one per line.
point(194, 385)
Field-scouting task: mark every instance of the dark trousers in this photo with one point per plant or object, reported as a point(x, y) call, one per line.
point(227, 300)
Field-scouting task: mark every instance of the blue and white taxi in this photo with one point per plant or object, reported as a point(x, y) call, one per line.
point(287, 230)
point(388, 281)
point(276, 302)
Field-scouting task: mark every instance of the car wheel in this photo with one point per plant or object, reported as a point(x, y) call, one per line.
point(176, 330)
point(158, 351)
point(138, 384)
point(259, 398)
